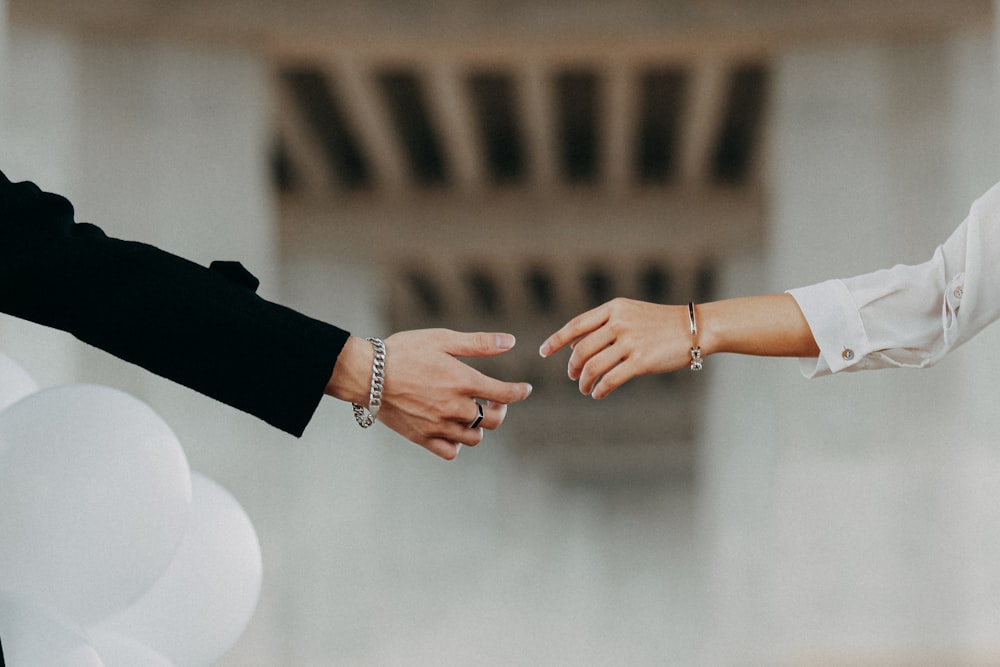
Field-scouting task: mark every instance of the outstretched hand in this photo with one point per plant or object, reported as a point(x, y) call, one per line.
point(624, 338)
point(430, 395)
point(620, 340)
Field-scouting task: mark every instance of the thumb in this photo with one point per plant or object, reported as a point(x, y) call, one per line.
point(480, 344)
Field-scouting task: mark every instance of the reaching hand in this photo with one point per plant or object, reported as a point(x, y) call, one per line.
point(429, 395)
point(620, 340)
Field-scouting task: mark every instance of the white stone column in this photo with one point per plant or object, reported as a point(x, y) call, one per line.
point(38, 133)
point(164, 144)
point(173, 152)
point(975, 506)
point(4, 59)
point(832, 502)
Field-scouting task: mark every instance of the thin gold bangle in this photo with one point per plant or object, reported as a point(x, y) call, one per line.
point(696, 361)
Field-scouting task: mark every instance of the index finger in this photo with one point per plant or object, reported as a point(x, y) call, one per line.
point(577, 327)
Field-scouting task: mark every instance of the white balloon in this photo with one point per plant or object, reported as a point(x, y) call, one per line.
point(15, 382)
point(95, 495)
point(200, 607)
point(34, 637)
point(120, 651)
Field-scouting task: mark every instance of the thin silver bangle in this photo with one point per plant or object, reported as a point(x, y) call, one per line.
point(696, 360)
point(366, 416)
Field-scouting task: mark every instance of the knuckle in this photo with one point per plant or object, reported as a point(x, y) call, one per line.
point(617, 304)
point(458, 409)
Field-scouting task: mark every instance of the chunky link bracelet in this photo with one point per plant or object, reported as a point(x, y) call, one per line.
point(696, 360)
point(366, 416)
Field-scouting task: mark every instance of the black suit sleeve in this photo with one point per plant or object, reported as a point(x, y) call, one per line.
point(204, 328)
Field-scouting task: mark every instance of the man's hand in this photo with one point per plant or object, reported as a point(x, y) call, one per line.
point(429, 395)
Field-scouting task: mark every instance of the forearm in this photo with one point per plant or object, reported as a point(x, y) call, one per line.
point(770, 325)
point(179, 320)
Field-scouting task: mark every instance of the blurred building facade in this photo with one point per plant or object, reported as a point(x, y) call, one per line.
point(483, 165)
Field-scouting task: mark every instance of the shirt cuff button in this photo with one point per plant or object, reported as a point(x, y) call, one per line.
point(847, 354)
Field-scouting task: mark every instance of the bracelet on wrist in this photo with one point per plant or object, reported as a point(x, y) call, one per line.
point(696, 361)
point(366, 416)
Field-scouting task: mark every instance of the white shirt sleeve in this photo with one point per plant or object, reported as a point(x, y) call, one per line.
point(909, 315)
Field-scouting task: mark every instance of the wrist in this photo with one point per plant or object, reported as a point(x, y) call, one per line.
point(711, 328)
point(352, 374)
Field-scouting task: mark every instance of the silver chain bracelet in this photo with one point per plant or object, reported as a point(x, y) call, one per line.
point(366, 416)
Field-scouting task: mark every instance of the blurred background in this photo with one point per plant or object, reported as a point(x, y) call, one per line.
point(489, 165)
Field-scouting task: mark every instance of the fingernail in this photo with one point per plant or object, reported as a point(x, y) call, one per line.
point(530, 389)
point(505, 341)
point(544, 350)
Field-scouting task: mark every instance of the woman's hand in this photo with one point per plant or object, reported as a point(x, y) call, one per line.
point(620, 340)
point(623, 338)
point(429, 395)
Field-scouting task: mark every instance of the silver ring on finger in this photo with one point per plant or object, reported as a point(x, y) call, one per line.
point(479, 418)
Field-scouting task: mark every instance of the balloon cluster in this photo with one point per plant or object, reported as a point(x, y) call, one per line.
point(113, 553)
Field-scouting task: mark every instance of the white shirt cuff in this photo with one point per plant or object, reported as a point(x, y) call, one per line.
point(836, 326)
